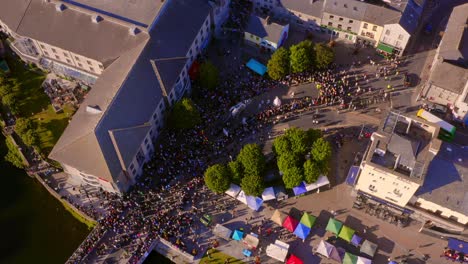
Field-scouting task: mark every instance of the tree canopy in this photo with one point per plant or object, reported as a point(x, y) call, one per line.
point(321, 150)
point(23, 125)
point(209, 75)
point(184, 115)
point(237, 171)
point(278, 65)
point(287, 161)
point(292, 177)
point(252, 159)
point(13, 156)
point(298, 139)
point(324, 56)
point(217, 178)
point(252, 184)
point(302, 56)
point(311, 171)
point(281, 145)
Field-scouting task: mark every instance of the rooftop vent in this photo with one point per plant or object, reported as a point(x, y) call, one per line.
point(134, 31)
point(93, 109)
point(96, 19)
point(60, 7)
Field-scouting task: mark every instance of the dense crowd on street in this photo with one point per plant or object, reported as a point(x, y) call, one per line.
point(170, 197)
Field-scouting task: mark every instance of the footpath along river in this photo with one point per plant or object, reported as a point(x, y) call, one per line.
point(34, 226)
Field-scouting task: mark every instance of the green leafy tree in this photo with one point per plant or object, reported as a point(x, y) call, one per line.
point(30, 138)
point(9, 99)
point(321, 150)
point(252, 159)
point(5, 89)
point(287, 161)
point(281, 145)
point(23, 125)
point(302, 56)
point(321, 153)
point(237, 171)
point(298, 139)
point(292, 177)
point(209, 75)
point(311, 171)
point(184, 115)
point(217, 178)
point(324, 56)
point(252, 184)
point(278, 65)
point(13, 156)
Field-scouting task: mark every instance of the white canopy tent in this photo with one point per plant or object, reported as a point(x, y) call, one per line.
point(268, 194)
point(277, 101)
point(321, 181)
point(242, 197)
point(328, 250)
point(278, 251)
point(233, 190)
point(363, 260)
point(251, 241)
point(222, 231)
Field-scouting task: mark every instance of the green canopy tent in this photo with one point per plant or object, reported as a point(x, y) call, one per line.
point(349, 258)
point(346, 233)
point(308, 220)
point(334, 226)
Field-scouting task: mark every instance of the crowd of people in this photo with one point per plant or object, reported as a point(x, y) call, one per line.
point(170, 196)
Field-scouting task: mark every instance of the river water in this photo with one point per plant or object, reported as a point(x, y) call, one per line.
point(35, 227)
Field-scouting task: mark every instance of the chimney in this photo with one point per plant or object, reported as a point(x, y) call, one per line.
point(134, 31)
point(96, 19)
point(60, 7)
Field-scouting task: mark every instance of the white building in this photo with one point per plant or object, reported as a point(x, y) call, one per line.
point(266, 34)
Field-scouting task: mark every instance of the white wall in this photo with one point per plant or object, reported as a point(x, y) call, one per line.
point(394, 35)
point(445, 212)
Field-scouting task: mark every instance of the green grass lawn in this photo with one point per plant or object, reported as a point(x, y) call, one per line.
point(35, 104)
point(217, 257)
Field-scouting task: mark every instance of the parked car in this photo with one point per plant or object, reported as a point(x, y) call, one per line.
point(206, 219)
point(237, 109)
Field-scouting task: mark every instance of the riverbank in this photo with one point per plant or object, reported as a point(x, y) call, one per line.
point(35, 227)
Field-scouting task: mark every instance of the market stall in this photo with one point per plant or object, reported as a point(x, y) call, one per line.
point(222, 231)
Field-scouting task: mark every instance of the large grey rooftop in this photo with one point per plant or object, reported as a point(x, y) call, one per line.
point(127, 94)
point(346, 8)
point(138, 12)
point(446, 181)
point(313, 8)
point(262, 28)
point(454, 43)
point(70, 29)
point(380, 15)
point(449, 77)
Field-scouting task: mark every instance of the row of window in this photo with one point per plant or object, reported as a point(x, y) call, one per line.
point(341, 19)
point(57, 57)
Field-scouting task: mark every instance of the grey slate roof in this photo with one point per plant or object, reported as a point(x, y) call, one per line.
point(310, 7)
point(454, 44)
point(259, 27)
point(78, 145)
point(168, 70)
point(141, 12)
point(380, 15)
point(127, 142)
point(405, 148)
point(346, 8)
point(74, 31)
point(12, 11)
point(177, 26)
point(446, 182)
point(127, 93)
point(449, 77)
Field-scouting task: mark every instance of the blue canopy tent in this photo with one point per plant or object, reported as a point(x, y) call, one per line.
point(458, 245)
point(302, 231)
point(298, 190)
point(254, 203)
point(352, 175)
point(257, 67)
point(238, 235)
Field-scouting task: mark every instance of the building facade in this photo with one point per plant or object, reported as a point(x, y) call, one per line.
point(265, 34)
point(137, 56)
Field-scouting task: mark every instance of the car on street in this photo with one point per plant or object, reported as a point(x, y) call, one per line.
point(237, 109)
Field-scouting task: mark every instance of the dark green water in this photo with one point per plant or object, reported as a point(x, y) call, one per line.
point(34, 227)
